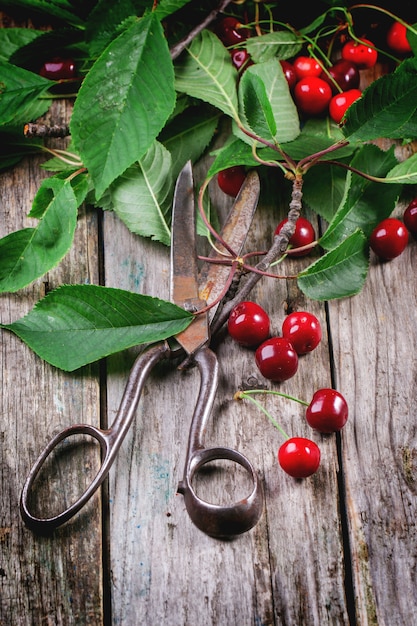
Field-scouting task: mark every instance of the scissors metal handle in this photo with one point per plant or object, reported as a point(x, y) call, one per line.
point(215, 520)
point(110, 441)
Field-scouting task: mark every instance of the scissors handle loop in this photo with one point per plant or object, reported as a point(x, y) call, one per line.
point(110, 441)
point(215, 520)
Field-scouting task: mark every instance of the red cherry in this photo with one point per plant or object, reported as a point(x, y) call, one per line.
point(276, 359)
point(345, 74)
point(397, 38)
point(58, 69)
point(299, 457)
point(230, 31)
point(289, 73)
point(304, 234)
point(328, 411)
point(248, 324)
point(231, 179)
point(306, 66)
point(340, 103)
point(303, 331)
point(312, 95)
point(363, 54)
point(240, 59)
point(410, 217)
point(389, 239)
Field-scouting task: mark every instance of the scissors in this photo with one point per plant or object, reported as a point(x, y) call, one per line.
point(192, 344)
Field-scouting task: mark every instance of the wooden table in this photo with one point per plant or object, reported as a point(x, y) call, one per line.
point(338, 548)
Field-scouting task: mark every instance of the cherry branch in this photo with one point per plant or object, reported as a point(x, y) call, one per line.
point(277, 249)
point(181, 45)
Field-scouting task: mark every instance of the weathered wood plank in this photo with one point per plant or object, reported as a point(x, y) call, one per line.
point(288, 569)
point(45, 579)
point(375, 334)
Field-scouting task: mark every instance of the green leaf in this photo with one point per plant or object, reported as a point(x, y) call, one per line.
point(366, 202)
point(257, 108)
point(18, 89)
point(339, 273)
point(206, 72)
point(387, 107)
point(317, 135)
point(404, 173)
point(188, 135)
point(79, 324)
point(60, 9)
point(11, 39)
point(323, 189)
point(124, 102)
point(281, 44)
point(28, 254)
point(282, 105)
point(168, 7)
point(142, 195)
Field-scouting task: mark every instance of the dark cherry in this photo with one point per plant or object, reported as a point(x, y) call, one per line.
point(231, 179)
point(410, 217)
point(345, 74)
point(58, 69)
point(328, 411)
point(276, 359)
point(248, 324)
point(389, 239)
point(240, 59)
point(231, 31)
point(299, 457)
point(289, 73)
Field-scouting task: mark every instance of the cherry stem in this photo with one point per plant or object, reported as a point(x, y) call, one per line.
point(244, 395)
point(274, 393)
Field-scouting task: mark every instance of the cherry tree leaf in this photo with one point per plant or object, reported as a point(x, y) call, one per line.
point(256, 106)
point(206, 72)
point(281, 105)
point(282, 44)
point(404, 173)
point(141, 197)
point(387, 107)
point(11, 39)
point(28, 254)
point(366, 202)
point(124, 102)
point(339, 273)
point(61, 9)
point(78, 324)
point(19, 88)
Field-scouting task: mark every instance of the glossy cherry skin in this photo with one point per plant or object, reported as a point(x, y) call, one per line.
point(345, 74)
point(276, 359)
point(299, 457)
point(362, 54)
point(397, 38)
point(289, 73)
point(303, 331)
point(306, 66)
point(240, 59)
point(340, 103)
point(328, 411)
point(231, 179)
point(58, 69)
point(312, 95)
point(248, 324)
point(410, 217)
point(389, 239)
point(304, 234)
point(231, 32)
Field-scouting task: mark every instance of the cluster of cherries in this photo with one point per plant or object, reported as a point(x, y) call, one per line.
point(277, 360)
point(318, 90)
